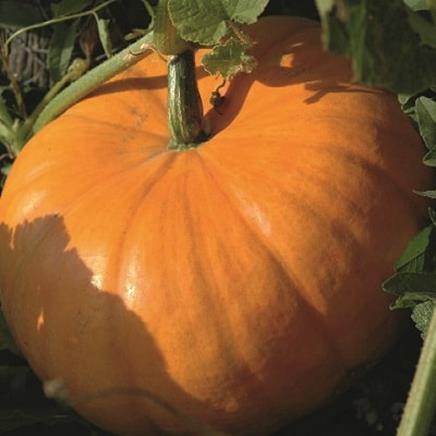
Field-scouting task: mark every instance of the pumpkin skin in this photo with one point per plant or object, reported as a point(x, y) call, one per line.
point(239, 282)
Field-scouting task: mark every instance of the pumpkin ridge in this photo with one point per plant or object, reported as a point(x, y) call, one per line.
point(129, 226)
point(352, 159)
point(378, 172)
point(66, 210)
point(33, 179)
point(347, 363)
point(112, 125)
point(126, 96)
point(230, 350)
point(276, 260)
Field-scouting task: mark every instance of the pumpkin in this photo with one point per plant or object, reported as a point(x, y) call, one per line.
point(235, 285)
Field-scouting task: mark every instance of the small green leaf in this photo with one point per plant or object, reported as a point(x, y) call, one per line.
point(245, 11)
point(428, 194)
point(412, 282)
point(103, 34)
point(430, 158)
point(422, 314)
point(425, 29)
point(432, 214)
point(413, 258)
point(426, 116)
point(15, 13)
point(409, 300)
point(206, 22)
point(407, 103)
point(229, 59)
point(324, 7)
point(417, 5)
point(68, 7)
point(5, 116)
point(61, 48)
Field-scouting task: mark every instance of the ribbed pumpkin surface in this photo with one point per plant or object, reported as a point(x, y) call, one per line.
point(239, 282)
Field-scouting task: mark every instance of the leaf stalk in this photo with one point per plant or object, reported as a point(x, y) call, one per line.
point(421, 404)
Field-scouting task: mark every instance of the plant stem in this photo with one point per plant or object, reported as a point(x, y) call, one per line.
point(93, 79)
point(6, 123)
point(185, 108)
point(76, 69)
point(421, 403)
point(166, 40)
point(13, 82)
point(5, 116)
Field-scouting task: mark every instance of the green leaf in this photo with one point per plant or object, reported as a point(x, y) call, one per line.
point(385, 50)
point(5, 116)
point(414, 283)
point(425, 29)
point(430, 158)
point(432, 214)
point(422, 314)
point(414, 257)
point(324, 7)
point(207, 22)
point(417, 5)
point(16, 13)
point(244, 11)
point(407, 103)
point(6, 169)
point(229, 59)
point(428, 194)
point(61, 48)
point(69, 7)
point(426, 116)
point(103, 34)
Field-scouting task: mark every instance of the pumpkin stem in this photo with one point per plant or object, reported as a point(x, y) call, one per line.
point(185, 108)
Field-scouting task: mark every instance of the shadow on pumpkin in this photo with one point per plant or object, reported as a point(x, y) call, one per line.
point(298, 63)
point(84, 341)
point(134, 79)
point(301, 61)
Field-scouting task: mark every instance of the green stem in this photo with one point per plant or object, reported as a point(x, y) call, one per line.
point(5, 116)
point(421, 404)
point(6, 137)
point(185, 108)
point(93, 79)
point(166, 40)
point(55, 21)
point(76, 69)
point(6, 123)
point(13, 82)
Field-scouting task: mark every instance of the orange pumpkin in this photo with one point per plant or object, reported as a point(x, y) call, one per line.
point(238, 283)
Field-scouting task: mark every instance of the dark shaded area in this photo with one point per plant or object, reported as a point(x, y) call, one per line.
point(305, 8)
point(373, 404)
point(86, 332)
point(371, 407)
